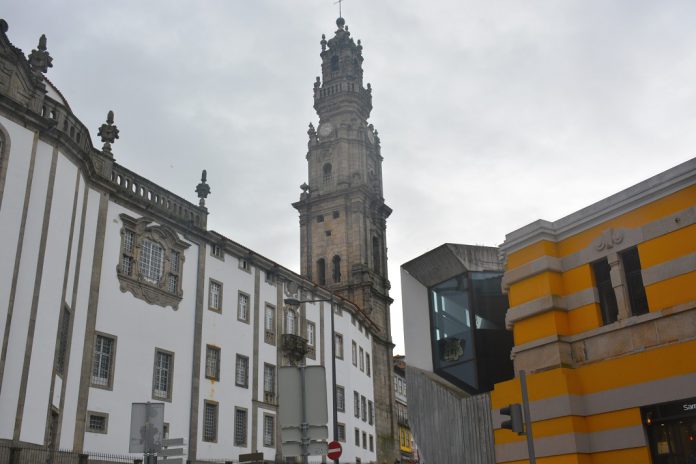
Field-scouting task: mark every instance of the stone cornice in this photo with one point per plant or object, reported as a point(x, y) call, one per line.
point(648, 191)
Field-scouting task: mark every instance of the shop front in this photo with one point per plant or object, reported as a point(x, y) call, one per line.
point(671, 431)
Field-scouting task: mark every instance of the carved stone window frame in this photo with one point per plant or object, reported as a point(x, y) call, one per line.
point(153, 293)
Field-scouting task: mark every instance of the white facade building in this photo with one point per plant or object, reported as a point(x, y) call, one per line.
point(113, 291)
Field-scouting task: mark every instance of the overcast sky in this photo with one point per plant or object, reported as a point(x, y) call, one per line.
point(491, 114)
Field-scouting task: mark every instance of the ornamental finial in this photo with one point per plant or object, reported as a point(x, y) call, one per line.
point(40, 60)
point(108, 132)
point(323, 42)
point(203, 189)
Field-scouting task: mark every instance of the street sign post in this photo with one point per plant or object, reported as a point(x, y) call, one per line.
point(147, 423)
point(302, 410)
point(335, 450)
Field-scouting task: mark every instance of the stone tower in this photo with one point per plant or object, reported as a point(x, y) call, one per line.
point(342, 210)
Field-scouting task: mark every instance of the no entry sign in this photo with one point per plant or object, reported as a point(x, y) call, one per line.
point(335, 450)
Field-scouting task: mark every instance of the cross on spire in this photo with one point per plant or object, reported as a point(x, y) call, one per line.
point(339, 2)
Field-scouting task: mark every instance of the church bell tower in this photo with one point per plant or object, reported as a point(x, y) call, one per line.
point(342, 210)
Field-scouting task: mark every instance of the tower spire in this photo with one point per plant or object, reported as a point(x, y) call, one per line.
point(343, 216)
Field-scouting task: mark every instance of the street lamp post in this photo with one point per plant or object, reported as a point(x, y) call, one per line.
point(296, 302)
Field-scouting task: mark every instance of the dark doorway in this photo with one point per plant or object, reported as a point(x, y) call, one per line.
point(671, 431)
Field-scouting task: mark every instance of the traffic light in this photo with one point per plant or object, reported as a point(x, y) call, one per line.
point(515, 423)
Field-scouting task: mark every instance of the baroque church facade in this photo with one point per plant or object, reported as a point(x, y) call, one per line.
point(96, 255)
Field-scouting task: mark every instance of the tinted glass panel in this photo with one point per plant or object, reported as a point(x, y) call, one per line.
point(452, 331)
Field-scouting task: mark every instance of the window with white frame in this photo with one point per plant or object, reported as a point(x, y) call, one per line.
point(210, 421)
point(370, 412)
point(215, 295)
point(311, 333)
point(163, 375)
point(354, 353)
point(268, 430)
point(364, 441)
point(291, 322)
point(151, 261)
point(357, 437)
point(341, 429)
point(269, 381)
point(340, 398)
point(269, 323)
point(363, 408)
point(368, 369)
point(242, 371)
point(103, 362)
point(243, 307)
point(240, 427)
point(338, 345)
point(362, 359)
point(356, 404)
point(372, 443)
point(212, 362)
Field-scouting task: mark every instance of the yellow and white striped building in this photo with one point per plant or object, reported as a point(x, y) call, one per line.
point(603, 312)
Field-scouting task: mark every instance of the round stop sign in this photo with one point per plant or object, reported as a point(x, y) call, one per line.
point(335, 450)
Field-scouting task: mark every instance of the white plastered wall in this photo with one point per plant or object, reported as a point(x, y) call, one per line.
point(414, 301)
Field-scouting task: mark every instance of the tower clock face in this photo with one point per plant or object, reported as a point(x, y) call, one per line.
point(325, 129)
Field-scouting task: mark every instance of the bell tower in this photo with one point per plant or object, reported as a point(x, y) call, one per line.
point(342, 210)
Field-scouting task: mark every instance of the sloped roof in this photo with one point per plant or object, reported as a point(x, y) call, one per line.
point(451, 259)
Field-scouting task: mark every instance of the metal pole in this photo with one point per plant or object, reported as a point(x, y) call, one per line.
point(527, 418)
point(333, 377)
point(304, 426)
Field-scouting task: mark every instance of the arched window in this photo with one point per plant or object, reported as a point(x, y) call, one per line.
point(336, 268)
point(328, 175)
point(334, 63)
point(321, 271)
point(376, 255)
point(291, 322)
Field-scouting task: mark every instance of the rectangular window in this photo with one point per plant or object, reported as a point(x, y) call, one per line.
point(243, 307)
point(357, 437)
point(311, 333)
point(354, 353)
point(215, 295)
point(363, 408)
point(212, 362)
point(356, 404)
point(341, 429)
point(364, 440)
point(269, 381)
point(210, 421)
point(634, 281)
point(163, 375)
point(368, 369)
point(63, 332)
point(217, 252)
point(340, 398)
point(244, 265)
point(268, 430)
point(607, 297)
point(103, 364)
point(269, 324)
point(372, 443)
point(338, 345)
point(97, 422)
point(370, 412)
point(240, 427)
point(242, 371)
point(362, 359)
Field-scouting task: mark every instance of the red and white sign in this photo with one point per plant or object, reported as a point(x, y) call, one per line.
point(335, 450)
